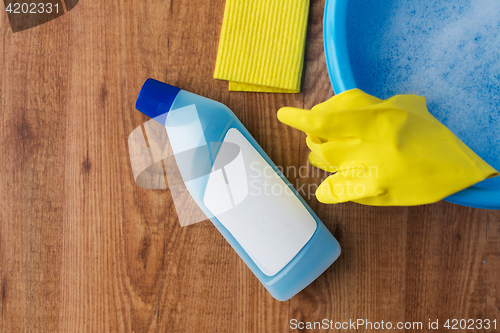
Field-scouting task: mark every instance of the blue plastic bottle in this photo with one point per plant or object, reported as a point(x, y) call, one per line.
point(243, 193)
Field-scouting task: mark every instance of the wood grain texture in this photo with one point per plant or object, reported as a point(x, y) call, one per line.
point(83, 249)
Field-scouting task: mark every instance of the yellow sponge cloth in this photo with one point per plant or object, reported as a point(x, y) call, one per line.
point(261, 46)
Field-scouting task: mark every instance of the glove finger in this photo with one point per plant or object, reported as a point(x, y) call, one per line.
point(301, 119)
point(348, 169)
point(319, 124)
point(320, 163)
point(337, 189)
point(334, 153)
point(345, 123)
point(335, 116)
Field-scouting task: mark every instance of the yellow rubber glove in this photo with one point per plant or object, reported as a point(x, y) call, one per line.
point(385, 152)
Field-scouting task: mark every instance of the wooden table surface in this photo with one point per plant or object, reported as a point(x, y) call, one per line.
point(83, 249)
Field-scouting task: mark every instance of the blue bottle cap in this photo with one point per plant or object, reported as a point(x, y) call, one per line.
point(155, 99)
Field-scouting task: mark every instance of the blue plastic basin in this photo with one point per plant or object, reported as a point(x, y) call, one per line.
point(361, 53)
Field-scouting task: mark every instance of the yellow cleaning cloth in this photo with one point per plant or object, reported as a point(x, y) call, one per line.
point(261, 46)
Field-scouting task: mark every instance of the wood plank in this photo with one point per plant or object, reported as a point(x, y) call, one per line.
point(34, 96)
